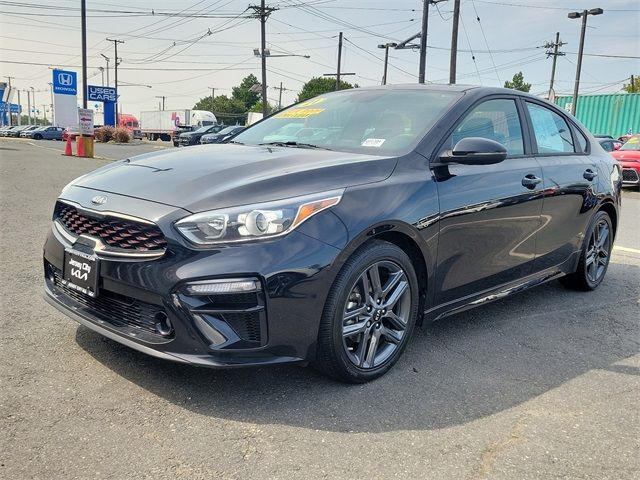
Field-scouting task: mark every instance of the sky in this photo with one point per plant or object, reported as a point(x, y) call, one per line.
point(182, 49)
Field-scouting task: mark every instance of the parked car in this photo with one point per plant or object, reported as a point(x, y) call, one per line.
point(46, 133)
point(222, 136)
point(179, 130)
point(417, 202)
point(70, 132)
point(4, 130)
point(629, 158)
point(193, 138)
point(16, 131)
point(24, 133)
point(609, 144)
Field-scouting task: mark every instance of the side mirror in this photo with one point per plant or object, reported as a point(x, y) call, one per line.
point(475, 151)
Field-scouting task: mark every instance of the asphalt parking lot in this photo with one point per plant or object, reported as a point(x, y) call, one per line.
point(541, 385)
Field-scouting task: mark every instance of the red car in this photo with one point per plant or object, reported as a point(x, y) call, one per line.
point(629, 158)
point(70, 132)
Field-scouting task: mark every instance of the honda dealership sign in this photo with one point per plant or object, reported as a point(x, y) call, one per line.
point(65, 98)
point(65, 83)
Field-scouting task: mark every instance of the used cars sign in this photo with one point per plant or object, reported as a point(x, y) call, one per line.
point(101, 94)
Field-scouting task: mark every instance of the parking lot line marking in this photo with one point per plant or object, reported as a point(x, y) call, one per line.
point(626, 249)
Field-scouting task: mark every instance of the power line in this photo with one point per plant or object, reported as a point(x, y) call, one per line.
point(485, 41)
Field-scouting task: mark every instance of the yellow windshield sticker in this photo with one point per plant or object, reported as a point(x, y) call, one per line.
point(299, 113)
point(633, 140)
point(312, 101)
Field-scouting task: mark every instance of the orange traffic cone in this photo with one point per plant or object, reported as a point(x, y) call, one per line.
point(68, 150)
point(80, 149)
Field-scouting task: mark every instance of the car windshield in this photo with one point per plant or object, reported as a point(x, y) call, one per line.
point(227, 130)
point(632, 144)
point(379, 122)
point(202, 130)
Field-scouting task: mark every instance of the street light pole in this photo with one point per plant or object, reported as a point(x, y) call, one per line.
point(574, 15)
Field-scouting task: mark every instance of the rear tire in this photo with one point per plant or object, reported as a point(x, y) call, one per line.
point(594, 257)
point(37, 137)
point(369, 314)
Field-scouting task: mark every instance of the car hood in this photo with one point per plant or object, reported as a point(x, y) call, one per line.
point(205, 177)
point(626, 155)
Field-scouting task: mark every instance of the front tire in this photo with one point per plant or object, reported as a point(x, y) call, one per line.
point(595, 255)
point(369, 314)
point(37, 137)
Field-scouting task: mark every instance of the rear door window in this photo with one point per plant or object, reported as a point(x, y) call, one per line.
point(551, 131)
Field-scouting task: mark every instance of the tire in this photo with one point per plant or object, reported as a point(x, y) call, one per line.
point(594, 257)
point(37, 137)
point(362, 336)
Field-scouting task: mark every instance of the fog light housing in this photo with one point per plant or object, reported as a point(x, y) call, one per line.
point(222, 286)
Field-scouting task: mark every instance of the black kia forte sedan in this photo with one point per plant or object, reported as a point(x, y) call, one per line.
point(382, 209)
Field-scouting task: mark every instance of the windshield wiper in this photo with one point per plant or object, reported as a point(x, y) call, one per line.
point(294, 144)
point(233, 141)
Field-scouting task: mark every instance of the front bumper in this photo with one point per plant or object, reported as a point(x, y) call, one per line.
point(630, 173)
point(278, 325)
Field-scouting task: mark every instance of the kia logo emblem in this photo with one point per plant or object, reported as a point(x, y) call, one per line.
point(65, 79)
point(99, 200)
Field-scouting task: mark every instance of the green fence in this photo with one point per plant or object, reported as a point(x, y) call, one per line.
point(614, 114)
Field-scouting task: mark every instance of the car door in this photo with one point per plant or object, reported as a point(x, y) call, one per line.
point(569, 179)
point(489, 214)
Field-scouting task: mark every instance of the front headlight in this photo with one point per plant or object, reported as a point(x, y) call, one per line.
point(251, 222)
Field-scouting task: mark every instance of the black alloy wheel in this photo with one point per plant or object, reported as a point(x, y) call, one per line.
point(369, 315)
point(595, 256)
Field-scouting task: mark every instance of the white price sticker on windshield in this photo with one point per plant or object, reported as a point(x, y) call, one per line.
point(373, 142)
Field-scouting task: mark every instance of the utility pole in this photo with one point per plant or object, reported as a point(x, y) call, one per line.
point(339, 61)
point(83, 21)
point(19, 109)
point(44, 113)
point(263, 12)
point(454, 43)
point(280, 95)
point(423, 41)
point(33, 101)
point(115, 73)
point(9, 103)
point(386, 59)
point(53, 112)
point(162, 97)
point(338, 73)
point(107, 60)
point(213, 96)
point(633, 84)
point(28, 106)
point(555, 54)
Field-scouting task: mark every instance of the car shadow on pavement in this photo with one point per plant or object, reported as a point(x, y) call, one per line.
point(469, 366)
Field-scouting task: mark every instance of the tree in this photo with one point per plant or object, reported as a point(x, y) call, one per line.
point(319, 85)
point(228, 111)
point(258, 108)
point(517, 83)
point(244, 94)
point(633, 86)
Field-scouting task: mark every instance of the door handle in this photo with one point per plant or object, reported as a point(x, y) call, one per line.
point(589, 174)
point(530, 181)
